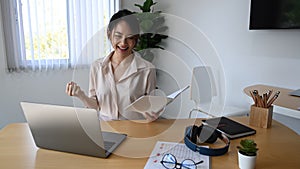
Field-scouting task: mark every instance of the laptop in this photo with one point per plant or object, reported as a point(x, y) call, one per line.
point(295, 93)
point(69, 129)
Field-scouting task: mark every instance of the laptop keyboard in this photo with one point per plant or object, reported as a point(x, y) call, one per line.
point(108, 144)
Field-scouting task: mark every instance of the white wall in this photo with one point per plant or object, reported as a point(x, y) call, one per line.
point(248, 57)
point(269, 57)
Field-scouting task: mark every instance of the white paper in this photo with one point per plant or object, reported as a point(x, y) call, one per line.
point(179, 150)
point(149, 103)
point(175, 94)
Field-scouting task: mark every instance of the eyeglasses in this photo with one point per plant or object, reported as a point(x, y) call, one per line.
point(169, 161)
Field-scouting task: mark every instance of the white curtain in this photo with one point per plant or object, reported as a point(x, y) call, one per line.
point(85, 20)
point(12, 38)
point(86, 28)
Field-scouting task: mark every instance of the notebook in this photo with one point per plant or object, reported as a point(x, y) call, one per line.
point(69, 129)
point(149, 103)
point(230, 128)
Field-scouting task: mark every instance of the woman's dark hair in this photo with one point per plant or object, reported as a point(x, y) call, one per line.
point(126, 16)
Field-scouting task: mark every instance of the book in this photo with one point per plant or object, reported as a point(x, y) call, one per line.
point(149, 103)
point(180, 152)
point(232, 129)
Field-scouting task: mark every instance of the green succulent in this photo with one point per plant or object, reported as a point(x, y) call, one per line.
point(248, 147)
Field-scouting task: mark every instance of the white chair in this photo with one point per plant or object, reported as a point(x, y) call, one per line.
point(204, 93)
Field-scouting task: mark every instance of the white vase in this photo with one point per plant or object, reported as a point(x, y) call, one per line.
point(246, 162)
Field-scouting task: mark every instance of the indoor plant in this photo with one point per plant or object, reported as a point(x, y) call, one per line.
point(152, 28)
point(247, 152)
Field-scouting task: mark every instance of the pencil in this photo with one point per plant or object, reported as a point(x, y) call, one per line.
point(255, 93)
point(273, 99)
point(269, 94)
point(253, 97)
point(265, 95)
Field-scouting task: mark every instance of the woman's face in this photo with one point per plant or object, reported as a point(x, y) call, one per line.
point(122, 38)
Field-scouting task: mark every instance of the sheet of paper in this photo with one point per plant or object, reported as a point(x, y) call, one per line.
point(179, 150)
point(175, 94)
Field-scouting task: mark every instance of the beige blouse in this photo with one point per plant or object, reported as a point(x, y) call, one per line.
point(133, 78)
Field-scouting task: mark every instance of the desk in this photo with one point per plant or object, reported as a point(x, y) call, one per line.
point(279, 147)
point(284, 99)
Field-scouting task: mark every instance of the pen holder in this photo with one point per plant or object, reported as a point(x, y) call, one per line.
point(261, 117)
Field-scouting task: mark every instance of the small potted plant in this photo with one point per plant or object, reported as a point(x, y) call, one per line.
point(247, 152)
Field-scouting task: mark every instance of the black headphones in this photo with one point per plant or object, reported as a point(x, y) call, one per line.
point(205, 134)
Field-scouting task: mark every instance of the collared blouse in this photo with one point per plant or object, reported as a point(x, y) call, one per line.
point(133, 78)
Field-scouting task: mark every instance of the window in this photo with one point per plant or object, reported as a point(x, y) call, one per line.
point(50, 34)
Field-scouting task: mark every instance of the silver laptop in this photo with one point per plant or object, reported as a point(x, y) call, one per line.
point(69, 129)
point(295, 93)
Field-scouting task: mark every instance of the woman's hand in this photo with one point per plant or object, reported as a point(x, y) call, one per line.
point(153, 115)
point(72, 89)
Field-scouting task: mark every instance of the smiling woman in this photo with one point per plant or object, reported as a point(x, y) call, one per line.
point(44, 34)
point(121, 77)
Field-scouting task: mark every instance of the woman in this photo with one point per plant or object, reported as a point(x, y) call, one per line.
point(121, 77)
